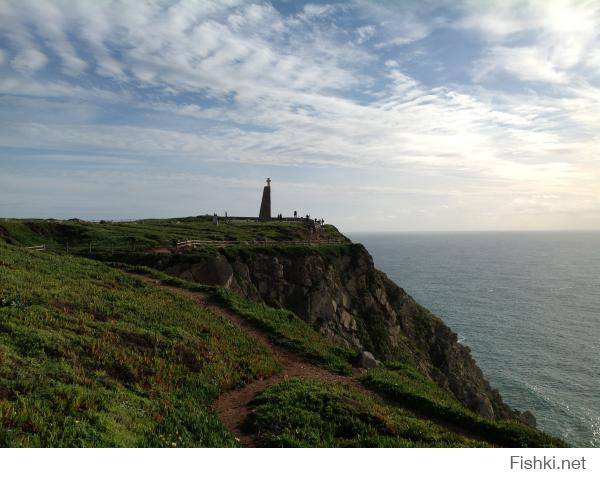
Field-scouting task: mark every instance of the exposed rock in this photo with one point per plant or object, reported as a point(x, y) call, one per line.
point(215, 270)
point(366, 360)
point(527, 418)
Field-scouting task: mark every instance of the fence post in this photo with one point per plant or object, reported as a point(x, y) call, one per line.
point(67, 247)
point(90, 247)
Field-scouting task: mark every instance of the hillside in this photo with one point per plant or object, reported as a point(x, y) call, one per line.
point(92, 354)
point(105, 236)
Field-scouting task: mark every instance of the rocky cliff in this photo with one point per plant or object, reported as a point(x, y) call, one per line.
point(340, 292)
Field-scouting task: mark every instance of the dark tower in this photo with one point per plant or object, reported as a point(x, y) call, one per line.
point(265, 204)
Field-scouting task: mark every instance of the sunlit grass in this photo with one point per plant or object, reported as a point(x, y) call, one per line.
point(90, 356)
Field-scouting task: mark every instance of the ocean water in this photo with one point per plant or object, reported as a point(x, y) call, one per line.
point(526, 303)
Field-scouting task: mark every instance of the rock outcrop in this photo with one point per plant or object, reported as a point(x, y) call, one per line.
point(366, 360)
point(347, 299)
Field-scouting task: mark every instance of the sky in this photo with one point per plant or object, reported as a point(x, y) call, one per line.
point(376, 116)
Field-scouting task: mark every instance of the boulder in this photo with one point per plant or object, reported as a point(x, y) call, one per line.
point(366, 360)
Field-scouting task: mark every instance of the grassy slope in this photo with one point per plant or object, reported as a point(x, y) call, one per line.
point(407, 387)
point(315, 414)
point(147, 233)
point(284, 327)
point(92, 357)
point(400, 382)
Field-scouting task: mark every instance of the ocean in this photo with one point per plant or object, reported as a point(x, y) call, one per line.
point(526, 303)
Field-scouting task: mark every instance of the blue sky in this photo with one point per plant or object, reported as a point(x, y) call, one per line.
point(377, 116)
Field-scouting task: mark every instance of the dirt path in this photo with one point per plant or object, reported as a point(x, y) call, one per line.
point(232, 407)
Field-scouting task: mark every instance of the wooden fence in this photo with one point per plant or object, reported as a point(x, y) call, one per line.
point(37, 248)
point(192, 243)
point(90, 247)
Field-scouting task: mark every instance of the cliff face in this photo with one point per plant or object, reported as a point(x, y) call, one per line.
point(344, 297)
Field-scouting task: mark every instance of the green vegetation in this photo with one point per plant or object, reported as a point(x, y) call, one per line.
point(287, 329)
point(164, 278)
point(90, 356)
point(310, 413)
point(409, 388)
point(283, 327)
point(107, 236)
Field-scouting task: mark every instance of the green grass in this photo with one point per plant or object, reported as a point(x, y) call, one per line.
point(283, 327)
point(147, 233)
point(90, 356)
point(409, 388)
point(310, 413)
point(287, 329)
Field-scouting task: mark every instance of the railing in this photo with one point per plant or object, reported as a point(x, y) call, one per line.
point(93, 246)
point(37, 248)
point(115, 247)
point(192, 243)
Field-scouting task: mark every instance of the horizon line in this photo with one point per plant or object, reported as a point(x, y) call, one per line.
point(400, 231)
point(465, 231)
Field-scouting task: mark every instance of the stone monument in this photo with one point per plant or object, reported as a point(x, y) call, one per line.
point(265, 205)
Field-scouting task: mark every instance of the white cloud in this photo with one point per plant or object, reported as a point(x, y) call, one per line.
point(364, 33)
point(312, 10)
point(524, 63)
point(534, 40)
point(53, 32)
point(29, 60)
point(13, 85)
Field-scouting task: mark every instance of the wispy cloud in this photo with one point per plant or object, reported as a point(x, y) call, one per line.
point(547, 41)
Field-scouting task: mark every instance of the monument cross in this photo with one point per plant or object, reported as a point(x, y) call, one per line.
point(265, 204)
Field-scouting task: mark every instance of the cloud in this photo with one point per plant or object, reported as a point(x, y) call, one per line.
point(14, 85)
point(393, 24)
point(524, 63)
point(29, 60)
point(187, 85)
point(364, 33)
point(547, 41)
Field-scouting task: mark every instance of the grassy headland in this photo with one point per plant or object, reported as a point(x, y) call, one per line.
point(149, 233)
point(91, 356)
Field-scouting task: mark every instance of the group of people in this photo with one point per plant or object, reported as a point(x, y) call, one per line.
point(318, 222)
point(307, 219)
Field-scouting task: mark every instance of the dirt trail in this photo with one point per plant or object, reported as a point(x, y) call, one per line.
point(232, 406)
